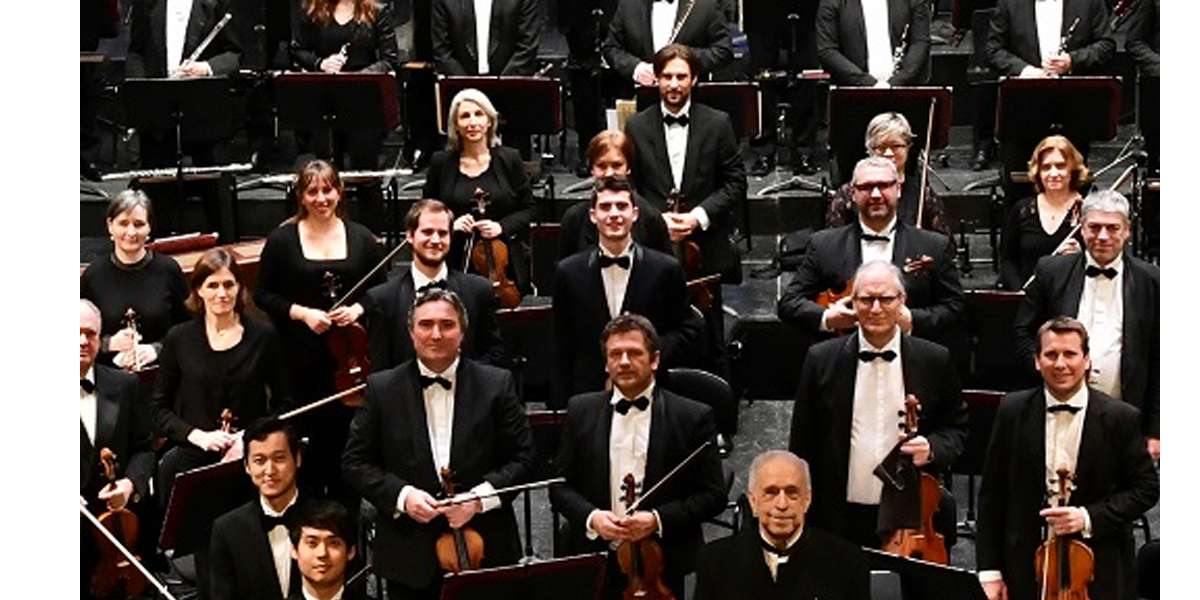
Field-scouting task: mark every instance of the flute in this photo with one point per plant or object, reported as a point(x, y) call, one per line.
point(212, 35)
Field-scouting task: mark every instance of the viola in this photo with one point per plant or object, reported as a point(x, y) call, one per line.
point(924, 543)
point(1063, 567)
point(349, 347)
point(459, 549)
point(490, 258)
point(115, 576)
point(641, 561)
point(687, 251)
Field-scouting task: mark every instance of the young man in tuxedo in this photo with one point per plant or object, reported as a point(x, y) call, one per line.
point(438, 411)
point(1116, 296)
point(637, 433)
point(704, 33)
point(857, 41)
point(619, 276)
point(501, 39)
point(782, 557)
point(322, 539)
point(1062, 424)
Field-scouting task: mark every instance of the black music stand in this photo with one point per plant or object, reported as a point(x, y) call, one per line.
point(852, 108)
point(198, 497)
point(545, 580)
point(920, 579)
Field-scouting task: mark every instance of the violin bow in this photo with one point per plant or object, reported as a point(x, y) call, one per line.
point(370, 274)
point(925, 162)
point(504, 490)
point(682, 464)
point(121, 547)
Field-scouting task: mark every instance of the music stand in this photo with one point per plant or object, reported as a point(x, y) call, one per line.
point(337, 102)
point(198, 497)
point(920, 579)
point(544, 580)
point(852, 108)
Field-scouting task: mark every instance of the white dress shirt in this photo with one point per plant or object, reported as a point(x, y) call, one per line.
point(628, 443)
point(873, 250)
point(878, 404)
point(281, 544)
point(677, 141)
point(420, 280)
point(1101, 310)
point(483, 30)
point(309, 596)
point(87, 407)
point(879, 39)
point(616, 279)
point(1049, 15)
point(178, 12)
point(773, 559)
point(662, 22)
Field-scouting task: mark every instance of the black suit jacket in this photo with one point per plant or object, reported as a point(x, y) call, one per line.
point(123, 426)
point(372, 48)
point(1115, 481)
point(514, 217)
point(1142, 37)
point(1056, 290)
point(824, 409)
point(1012, 42)
point(819, 565)
point(147, 55)
point(388, 448)
point(713, 178)
point(631, 40)
point(578, 232)
point(656, 290)
point(387, 306)
point(240, 561)
point(842, 41)
point(514, 30)
point(677, 427)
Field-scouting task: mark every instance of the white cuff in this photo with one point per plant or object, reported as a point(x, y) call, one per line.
point(489, 502)
point(404, 492)
point(591, 534)
point(701, 215)
point(1087, 523)
point(990, 576)
point(824, 325)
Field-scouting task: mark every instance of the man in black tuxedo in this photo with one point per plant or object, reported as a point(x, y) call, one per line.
point(502, 42)
point(630, 50)
point(322, 539)
point(634, 435)
point(597, 284)
point(438, 411)
point(250, 552)
point(857, 41)
point(844, 420)
point(783, 557)
point(387, 305)
point(689, 147)
point(934, 307)
point(1116, 296)
point(1062, 425)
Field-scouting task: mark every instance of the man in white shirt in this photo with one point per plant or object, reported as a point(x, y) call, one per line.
point(485, 37)
point(698, 24)
point(322, 543)
point(859, 40)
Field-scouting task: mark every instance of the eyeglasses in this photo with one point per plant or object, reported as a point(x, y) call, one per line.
point(869, 187)
point(894, 146)
point(867, 301)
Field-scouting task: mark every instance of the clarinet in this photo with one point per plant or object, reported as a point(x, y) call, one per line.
point(1062, 43)
point(898, 55)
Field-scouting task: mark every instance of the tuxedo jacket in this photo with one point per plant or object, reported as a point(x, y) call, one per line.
point(713, 178)
point(1114, 477)
point(1056, 290)
point(656, 290)
point(819, 565)
point(677, 427)
point(122, 425)
point(147, 55)
point(388, 448)
point(824, 409)
point(578, 232)
point(388, 303)
point(1012, 42)
point(631, 38)
point(514, 31)
point(842, 41)
point(1142, 37)
point(240, 561)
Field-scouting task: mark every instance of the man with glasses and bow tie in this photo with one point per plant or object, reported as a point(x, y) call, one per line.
point(851, 400)
point(1115, 295)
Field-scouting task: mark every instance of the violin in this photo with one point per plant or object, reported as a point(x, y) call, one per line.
point(687, 251)
point(234, 452)
point(490, 258)
point(832, 296)
point(115, 576)
point(641, 561)
point(924, 543)
point(459, 549)
point(349, 347)
point(1063, 567)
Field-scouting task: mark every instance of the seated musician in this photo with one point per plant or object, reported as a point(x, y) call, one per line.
point(844, 420)
point(475, 160)
point(1115, 295)
point(614, 277)
point(134, 277)
point(703, 31)
point(455, 414)
point(614, 429)
point(1037, 226)
point(783, 557)
point(323, 544)
point(858, 41)
point(1062, 424)
point(610, 154)
point(491, 37)
point(241, 565)
point(700, 158)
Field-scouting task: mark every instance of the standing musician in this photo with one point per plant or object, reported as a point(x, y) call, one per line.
point(691, 148)
point(617, 276)
point(1062, 424)
point(783, 557)
point(640, 430)
point(700, 25)
point(486, 37)
point(323, 545)
point(453, 413)
point(1116, 296)
point(858, 41)
point(844, 420)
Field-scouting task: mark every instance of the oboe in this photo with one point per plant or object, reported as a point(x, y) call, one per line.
point(898, 55)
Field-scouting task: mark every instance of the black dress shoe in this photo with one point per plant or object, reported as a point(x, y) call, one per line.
point(762, 166)
point(981, 160)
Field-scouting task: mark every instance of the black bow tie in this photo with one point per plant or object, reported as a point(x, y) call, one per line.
point(428, 381)
point(608, 261)
point(623, 405)
point(269, 522)
point(440, 284)
point(674, 120)
point(870, 237)
point(87, 385)
point(772, 549)
point(1063, 406)
point(868, 356)
point(1093, 271)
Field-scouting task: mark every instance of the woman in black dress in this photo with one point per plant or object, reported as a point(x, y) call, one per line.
point(308, 263)
point(134, 277)
point(1036, 226)
point(475, 160)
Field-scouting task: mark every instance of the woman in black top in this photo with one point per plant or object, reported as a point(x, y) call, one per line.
point(475, 160)
point(1036, 226)
point(223, 359)
point(134, 277)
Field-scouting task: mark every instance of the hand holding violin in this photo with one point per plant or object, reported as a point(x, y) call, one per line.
point(460, 514)
point(421, 506)
point(609, 525)
point(488, 229)
point(123, 340)
point(345, 315)
point(840, 315)
point(211, 441)
point(316, 320)
point(680, 225)
point(918, 448)
point(640, 525)
point(1063, 520)
point(117, 495)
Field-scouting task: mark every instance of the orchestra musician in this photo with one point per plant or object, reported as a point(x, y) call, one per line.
point(844, 419)
point(323, 545)
point(783, 557)
point(631, 53)
point(1115, 295)
point(134, 277)
point(686, 146)
point(486, 37)
point(452, 412)
point(1064, 423)
point(858, 40)
point(1037, 225)
point(475, 160)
